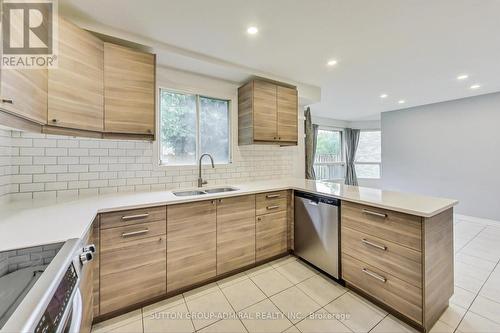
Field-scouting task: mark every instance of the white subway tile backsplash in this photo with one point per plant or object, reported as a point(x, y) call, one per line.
point(56, 151)
point(64, 177)
point(68, 160)
point(31, 187)
point(43, 178)
point(68, 143)
point(78, 168)
point(44, 160)
point(56, 168)
point(31, 169)
point(47, 166)
point(32, 151)
point(56, 186)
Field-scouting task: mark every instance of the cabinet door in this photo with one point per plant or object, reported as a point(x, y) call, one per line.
point(235, 233)
point(76, 86)
point(129, 90)
point(131, 273)
point(265, 114)
point(96, 267)
point(287, 114)
point(191, 243)
point(271, 235)
point(24, 93)
point(87, 286)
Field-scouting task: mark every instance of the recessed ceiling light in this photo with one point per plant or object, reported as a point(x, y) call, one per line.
point(383, 96)
point(401, 101)
point(332, 62)
point(475, 86)
point(462, 77)
point(252, 30)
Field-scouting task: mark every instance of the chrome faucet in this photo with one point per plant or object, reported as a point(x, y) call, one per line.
point(202, 182)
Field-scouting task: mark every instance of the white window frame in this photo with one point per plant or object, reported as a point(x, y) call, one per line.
point(372, 163)
point(342, 146)
point(159, 165)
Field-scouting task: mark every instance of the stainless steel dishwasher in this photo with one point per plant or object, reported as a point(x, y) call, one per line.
point(317, 231)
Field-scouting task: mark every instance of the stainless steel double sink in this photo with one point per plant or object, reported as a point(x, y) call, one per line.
point(207, 191)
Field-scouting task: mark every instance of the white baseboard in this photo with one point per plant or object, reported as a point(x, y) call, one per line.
point(477, 220)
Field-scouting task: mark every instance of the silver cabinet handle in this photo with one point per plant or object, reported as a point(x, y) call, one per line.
point(381, 247)
point(135, 217)
point(374, 275)
point(272, 196)
point(377, 214)
point(135, 233)
point(272, 207)
point(7, 100)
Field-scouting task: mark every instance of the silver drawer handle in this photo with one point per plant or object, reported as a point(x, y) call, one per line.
point(135, 217)
point(369, 212)
point(135, 233)
point(374, 275)
point(367, 242)
point(272, 207)
point(272, 196)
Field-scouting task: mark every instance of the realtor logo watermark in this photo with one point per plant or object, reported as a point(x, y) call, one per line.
point(29, 32)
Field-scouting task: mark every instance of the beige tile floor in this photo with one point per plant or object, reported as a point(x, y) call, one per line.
point(282, 295)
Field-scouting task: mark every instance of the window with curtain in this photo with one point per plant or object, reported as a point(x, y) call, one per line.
point(368, 155)
point(191, 125)
point(329, 158)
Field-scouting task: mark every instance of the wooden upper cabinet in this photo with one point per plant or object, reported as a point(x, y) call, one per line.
point(24, 93)
point(235, 233)
point(287, 114)
point(191, 243)
point(76, 86)
point(129, 90)
point(267, 113)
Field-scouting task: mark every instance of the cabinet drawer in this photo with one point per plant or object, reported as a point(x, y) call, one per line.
point(113, 237)
point(271, 235)
point(401, 296)
point(393, 226)
point(133, 273)
point(271, 202)
point(397, 260)
point(128, 217)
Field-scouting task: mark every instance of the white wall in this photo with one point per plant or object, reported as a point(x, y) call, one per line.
point(449, 149)
point(47, 166)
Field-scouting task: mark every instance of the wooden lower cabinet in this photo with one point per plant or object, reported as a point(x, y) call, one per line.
point(87, 284)
point(146, 253)
point(96, 266)
point(235, 233)
point(271, 235)
point(191, 243)
point(401, 260)
point(131, 272)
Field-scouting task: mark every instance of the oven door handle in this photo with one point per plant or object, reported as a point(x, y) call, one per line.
point(77, 313)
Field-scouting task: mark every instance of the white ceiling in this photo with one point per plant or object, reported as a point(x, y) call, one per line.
point(409, 49)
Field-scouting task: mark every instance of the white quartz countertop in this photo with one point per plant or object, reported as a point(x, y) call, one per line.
point(29, 223)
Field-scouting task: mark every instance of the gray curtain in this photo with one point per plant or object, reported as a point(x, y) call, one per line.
point(351, 143)
point(310, 144)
